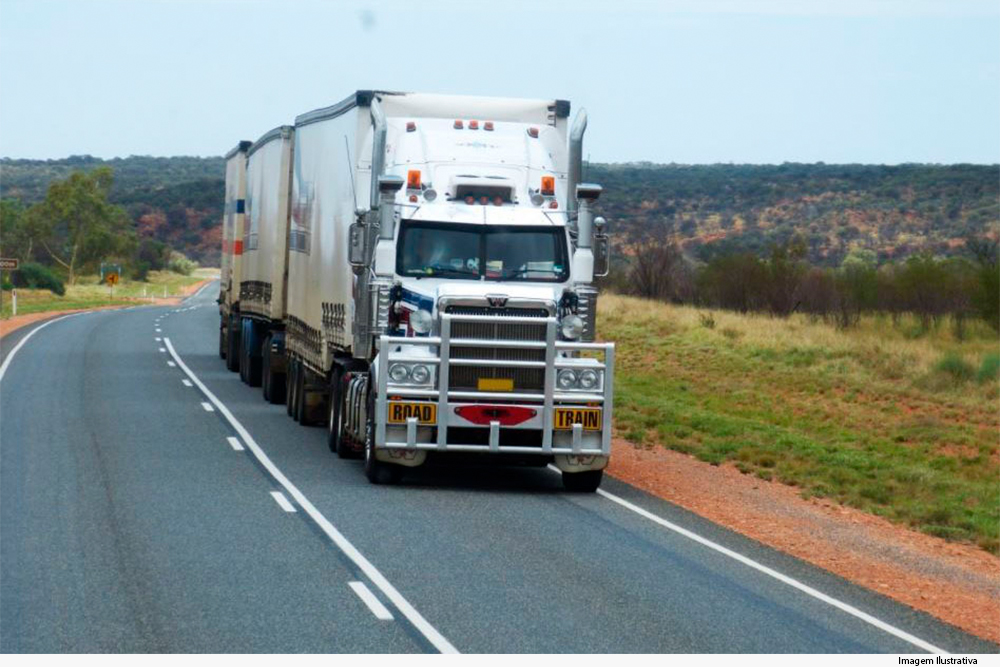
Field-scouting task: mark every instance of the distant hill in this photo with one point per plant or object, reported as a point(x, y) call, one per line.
point(894, 210)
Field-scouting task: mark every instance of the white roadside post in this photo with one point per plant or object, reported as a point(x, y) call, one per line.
point(13, 304)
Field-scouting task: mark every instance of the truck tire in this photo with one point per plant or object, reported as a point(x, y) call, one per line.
point(376, 471)
point(253, 358)
point(232, 346)
point(290, 394)
point(222, 339)
point(334, 430)
point(582, 482)
point(243, 354)
point(265, 370)
point(299, 408)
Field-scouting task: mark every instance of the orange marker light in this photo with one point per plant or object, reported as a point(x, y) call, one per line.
point(548, 185)
point(413, 179)
point(533, 132)
point(553, 204)
point(458, 125)
point(473, 124)
point(470, 200)
point(488, 126)
point(411, 126)
point(413, 198)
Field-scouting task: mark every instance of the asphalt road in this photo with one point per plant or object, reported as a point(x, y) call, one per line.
point(139, 513)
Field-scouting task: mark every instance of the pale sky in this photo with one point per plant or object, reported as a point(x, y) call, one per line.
point(689, 81)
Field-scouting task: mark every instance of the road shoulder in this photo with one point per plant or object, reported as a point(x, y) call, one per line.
point(956, 583)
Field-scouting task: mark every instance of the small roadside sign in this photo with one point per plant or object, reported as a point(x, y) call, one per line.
point(8, 264)
point(112, 278)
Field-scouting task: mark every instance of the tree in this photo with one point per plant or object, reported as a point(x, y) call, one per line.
point(77, 225)
point(15, 240)
point(987, 297)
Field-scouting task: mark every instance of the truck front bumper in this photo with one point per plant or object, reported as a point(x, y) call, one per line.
point(573, 428)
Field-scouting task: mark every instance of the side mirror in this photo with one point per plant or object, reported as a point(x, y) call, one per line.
point(356, 245)
point(602, 249)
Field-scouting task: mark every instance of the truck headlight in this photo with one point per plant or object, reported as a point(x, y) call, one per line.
point(420, 374)
point(588, 379)
point(398, 373)
point(566, 379)
point(571, 327)
point(420, 321)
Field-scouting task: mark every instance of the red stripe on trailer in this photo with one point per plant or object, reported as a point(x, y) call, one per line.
point(237, 247)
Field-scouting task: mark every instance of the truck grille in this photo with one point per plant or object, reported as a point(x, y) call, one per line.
point(466, 378)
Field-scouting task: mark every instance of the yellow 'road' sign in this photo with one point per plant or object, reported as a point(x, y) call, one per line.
point(112, 279)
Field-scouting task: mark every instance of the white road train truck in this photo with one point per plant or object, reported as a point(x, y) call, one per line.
point(441, 253)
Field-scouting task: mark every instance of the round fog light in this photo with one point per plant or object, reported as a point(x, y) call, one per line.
point(571, 327)
point(566, 379)
point(420, 374)
point(399, 372)
point(420, 321)
point(588, 379)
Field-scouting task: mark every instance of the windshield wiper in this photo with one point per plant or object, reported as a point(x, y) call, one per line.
point(440, 269)
point(521, 272)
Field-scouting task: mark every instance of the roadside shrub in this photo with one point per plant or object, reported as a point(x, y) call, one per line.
point(989, 369)
point(957, 367)
point(707, 320)
point(36, 276)
point(141, 271)
point(7, 285)
point(180, 264)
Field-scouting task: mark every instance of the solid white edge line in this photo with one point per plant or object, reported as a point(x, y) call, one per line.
point(20, 343)
point(436, 639)
point(376, 607)
point(208, 407)
point(794, 583)
point(280, 498)
point(234, 443)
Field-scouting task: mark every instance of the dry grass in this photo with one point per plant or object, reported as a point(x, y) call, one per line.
point(88, 292)
point(884, 417)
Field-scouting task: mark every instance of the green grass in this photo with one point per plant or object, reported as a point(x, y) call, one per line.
point(89, 293)
point(906, 428)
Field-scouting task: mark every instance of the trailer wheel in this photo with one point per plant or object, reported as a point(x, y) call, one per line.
point(222, 338)
point(582, 482)
point(300, 395)
point(265, 370)
point(253, 357)
point(232, 346)
point(377, 471)
point(293, 365)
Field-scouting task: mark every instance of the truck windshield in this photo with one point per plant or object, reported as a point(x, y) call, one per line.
point(480, 252)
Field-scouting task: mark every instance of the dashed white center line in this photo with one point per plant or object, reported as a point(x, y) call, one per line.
point(208, 407)
point(376, 607)
point(171, 364)
point(280, 498)
point(187, 383)
point(157, 339)
point(163, 349)
point(159, 331)
point(235, 443)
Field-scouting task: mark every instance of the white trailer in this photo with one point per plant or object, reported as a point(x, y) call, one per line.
point(232, 252)
point(264, 266)
point(441, 257)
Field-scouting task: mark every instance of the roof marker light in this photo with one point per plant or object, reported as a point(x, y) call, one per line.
point(484, 200)
point(470, 200)
point(473, 124)
point(413, 179)
point(411, 126)
point(488, 126)
point(458, 125)
point(413, 198)
point(548, 185)
point(533, 132)
point(553, 204)
point(498, 201)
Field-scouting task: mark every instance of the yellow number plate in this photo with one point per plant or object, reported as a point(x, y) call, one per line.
point(589, 417)
point(426, 413)
point(495, 384)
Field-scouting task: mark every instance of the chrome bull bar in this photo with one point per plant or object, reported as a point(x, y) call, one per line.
point(549, 399)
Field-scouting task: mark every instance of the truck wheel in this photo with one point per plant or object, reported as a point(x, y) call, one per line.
point(582, 482)
point(376, 471)
point(290, 394)
point(254, 358)
point(244, 364)
point(333, 422)
point(222, 339)
point(232, 347)
point(300, 395)
point(265, 370)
